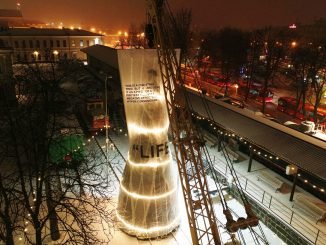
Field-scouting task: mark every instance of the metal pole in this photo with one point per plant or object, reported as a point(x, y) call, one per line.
point(250, 160)
point(106, 119)
point(293, 186)
point(112, 169)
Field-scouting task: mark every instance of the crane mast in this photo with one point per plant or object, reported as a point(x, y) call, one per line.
point(188, 144)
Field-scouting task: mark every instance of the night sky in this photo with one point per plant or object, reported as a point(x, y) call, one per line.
point(206, 13)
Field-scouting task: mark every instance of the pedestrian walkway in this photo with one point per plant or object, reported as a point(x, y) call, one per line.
point(277, 202)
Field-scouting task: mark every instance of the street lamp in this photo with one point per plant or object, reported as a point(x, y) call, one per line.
point(106, 116)
point(36, 53)
point(236, 88)
point(55, 54)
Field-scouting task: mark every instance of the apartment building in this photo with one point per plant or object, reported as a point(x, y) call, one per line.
point(42, 45)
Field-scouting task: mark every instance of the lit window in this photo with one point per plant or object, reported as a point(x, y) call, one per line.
point(81, 43)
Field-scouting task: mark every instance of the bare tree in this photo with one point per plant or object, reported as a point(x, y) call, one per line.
point(254, 51)
point(232, 53)
point(309, 60)
point(208, 52)
point(317, 76)
point(42, 198)
point(182, 33)
point(302, 58)
point(273, 50)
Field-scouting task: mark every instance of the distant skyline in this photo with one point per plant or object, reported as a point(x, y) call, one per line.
point(207, 14)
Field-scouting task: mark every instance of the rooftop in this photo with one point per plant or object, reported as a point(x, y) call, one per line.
point(46, 32)
point(103, 53)
point(294, 147)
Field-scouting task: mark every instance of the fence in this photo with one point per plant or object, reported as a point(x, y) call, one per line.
point(297, 222)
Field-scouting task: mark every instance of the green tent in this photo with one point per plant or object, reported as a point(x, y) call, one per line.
point(66, 148)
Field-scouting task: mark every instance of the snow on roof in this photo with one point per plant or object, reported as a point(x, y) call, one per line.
point(46, 32)
point(295, 147)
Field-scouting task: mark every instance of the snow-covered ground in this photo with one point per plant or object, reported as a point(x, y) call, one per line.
point(182, 234)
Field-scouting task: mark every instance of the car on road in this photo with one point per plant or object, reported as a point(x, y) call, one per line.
point(257, 94)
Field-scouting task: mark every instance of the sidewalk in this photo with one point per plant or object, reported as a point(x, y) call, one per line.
point(276, 202)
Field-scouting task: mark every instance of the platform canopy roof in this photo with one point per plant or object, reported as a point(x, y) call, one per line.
point(308, 153)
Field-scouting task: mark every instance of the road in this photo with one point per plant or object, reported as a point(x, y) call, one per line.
point(255, 106)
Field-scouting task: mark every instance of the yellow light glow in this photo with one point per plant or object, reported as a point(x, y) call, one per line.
point(149, 164)
point(55, 52)
point(149, 178)
point(151, 229)
point(154, 197)
point(133, 127)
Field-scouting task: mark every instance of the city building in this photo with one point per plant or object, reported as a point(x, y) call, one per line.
point(41, 45)
point(5, 62)
point(6, 72)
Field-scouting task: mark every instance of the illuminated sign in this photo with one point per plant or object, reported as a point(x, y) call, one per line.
point(155, 150)
point(147, 204)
